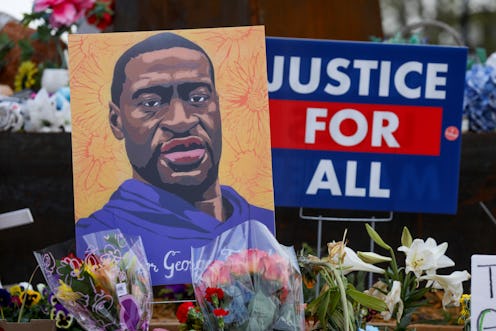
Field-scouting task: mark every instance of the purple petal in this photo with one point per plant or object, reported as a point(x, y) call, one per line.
point(129, 313)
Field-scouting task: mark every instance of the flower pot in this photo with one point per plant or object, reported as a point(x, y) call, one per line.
point(33, 325)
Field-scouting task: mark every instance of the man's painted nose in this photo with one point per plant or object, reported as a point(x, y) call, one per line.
point(178, 118)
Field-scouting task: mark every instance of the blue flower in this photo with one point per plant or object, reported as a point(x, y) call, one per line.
point(479, 104)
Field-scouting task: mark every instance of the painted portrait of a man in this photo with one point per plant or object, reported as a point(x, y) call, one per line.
point(192, 169)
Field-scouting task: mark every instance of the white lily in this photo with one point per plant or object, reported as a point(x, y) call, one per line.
point(426, 256)
point(352, 262)
point(393, 299)
point(451, 284)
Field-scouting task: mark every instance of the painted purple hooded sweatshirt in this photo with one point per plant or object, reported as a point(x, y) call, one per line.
point(167, 224)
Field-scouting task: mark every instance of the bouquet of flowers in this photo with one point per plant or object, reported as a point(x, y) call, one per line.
point(109, 289)
point(404, 288)
point(338, 304)
point(246, 280)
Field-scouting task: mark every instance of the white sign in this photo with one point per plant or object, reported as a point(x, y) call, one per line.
point(483, 293)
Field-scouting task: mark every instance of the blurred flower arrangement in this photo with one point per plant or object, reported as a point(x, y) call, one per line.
point(403, 289)
point(54, 18)
point(41, 102)
point(110, 289)
point(21, 303)
point(41, 112)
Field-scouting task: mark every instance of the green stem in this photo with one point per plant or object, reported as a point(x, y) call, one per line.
point(1, 311)
point(344, 302)
point(394, 266)
point(25, 294)
point(61, 53)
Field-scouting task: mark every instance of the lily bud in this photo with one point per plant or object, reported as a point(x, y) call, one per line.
point(376, 238)
point(406, 237)
point(373, 258)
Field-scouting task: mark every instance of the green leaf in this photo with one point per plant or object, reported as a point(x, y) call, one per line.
point(376, 238)
point(406, 237)
point(319, 307)
point(27, 49)
point(324, 306)
point(366, 300)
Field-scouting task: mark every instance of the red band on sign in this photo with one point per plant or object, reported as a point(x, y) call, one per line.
point(350, 127)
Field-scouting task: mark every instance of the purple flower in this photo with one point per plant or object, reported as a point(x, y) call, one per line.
point(5, 298)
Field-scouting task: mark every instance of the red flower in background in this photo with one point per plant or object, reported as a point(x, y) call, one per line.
point(182, 311)
point(101, 14)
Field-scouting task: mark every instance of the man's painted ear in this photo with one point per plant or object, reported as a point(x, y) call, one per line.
point(115, 120)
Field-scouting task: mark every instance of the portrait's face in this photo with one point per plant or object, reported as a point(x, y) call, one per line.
point(169, 117)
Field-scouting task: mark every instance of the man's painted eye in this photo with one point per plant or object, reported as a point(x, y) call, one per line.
point(151, 103)
point(198, 98)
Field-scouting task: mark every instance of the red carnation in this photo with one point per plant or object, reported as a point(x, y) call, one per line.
point(219, 312)
point(182, 311)
point(211, 291)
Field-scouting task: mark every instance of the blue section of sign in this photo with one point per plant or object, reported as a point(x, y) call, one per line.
point(410, 184)
point(369, 73)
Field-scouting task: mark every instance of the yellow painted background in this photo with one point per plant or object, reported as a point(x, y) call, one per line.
point(100, 163)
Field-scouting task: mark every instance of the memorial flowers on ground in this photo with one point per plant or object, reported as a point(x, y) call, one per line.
point(109, 289)
point(404, 288)
point(245, 280)
point(338, 304)
point(22, 302)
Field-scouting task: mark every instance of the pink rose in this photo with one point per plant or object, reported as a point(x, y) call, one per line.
point(254, 259)
point(217, 273)
point(276, 268)
point(83, 4)
point(41, 5)
point(238, 264)
point(64, 12)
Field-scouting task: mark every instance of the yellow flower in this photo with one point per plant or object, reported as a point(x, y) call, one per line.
point(65, 293)
point(15, 290)
point(31, 297)
point(465, 309)
point(26, 76)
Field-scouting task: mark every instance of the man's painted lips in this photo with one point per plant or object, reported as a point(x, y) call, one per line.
point(179, 152)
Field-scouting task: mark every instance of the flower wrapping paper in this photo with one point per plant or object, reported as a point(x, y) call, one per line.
point(109, 289)
point(246, 280)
